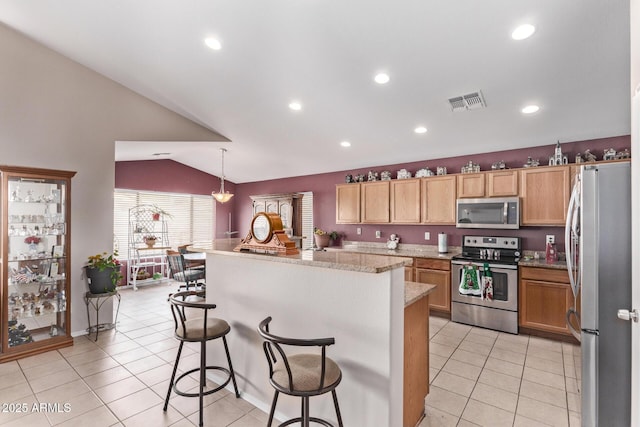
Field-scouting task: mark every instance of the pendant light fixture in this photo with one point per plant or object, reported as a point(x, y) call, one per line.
point(222, 196)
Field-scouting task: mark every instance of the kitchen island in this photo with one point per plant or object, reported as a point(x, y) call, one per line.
point(356, 298)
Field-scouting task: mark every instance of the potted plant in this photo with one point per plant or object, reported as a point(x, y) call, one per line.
point(150, 240)
point(156, 211)
point(323, 238)
point(103, 272)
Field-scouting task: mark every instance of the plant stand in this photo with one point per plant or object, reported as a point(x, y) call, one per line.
point(96, 301)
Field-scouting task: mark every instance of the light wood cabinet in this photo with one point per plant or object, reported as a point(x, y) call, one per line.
point(471, 185)
point(347, 203)
point(435, 272)
point(416, 360)
point(438, 200)
point(374, 202)
point(545, 193)
point(545, 297)
point(503, 183)
point(405, 201)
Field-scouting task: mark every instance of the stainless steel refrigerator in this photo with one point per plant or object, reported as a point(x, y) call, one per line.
point(598, 247)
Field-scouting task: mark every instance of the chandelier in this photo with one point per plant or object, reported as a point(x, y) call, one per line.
point(222, 196)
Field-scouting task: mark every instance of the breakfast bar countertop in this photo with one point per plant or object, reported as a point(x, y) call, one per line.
point(339, 260)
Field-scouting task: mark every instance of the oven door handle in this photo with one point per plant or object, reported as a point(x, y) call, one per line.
point(491, 266)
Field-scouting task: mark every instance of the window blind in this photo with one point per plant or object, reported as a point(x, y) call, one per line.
point(191, 220)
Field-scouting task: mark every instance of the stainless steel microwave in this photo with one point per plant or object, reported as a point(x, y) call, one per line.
point(502, 212)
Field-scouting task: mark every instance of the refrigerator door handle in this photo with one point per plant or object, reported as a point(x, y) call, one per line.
point(575, 332)
point(570, 236)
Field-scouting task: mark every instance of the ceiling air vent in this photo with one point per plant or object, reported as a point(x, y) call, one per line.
point(470, 101)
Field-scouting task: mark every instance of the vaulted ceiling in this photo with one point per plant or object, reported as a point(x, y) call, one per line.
point(324, 54)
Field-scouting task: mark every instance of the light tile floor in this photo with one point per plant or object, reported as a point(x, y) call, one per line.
point(478, 377)
point(481, 377)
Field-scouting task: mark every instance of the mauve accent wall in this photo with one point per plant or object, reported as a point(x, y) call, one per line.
point(173, 177)
point(170, 176)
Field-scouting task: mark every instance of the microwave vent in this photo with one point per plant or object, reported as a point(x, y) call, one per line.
point(470, 101)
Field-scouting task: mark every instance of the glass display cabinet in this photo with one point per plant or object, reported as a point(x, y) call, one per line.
point(35, 261)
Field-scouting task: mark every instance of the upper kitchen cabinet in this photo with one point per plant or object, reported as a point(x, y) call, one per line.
point(405, 201)
point(438, 201)
point(375, 201)
point(501, 183)
point(347, 203)
point(545, 193)
point(34, 255)
point(471, 185)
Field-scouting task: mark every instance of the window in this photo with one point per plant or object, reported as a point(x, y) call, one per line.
point(192, 217)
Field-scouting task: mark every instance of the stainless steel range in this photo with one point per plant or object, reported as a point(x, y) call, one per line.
point(499, 312)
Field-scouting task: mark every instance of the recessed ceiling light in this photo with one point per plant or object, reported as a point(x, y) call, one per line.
point(345, 144)
point(530, 109)
point(213, 43)
point(523, 31)
point(420, 129)
point(381, 78)
point(295, 106)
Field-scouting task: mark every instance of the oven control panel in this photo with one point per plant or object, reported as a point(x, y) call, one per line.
point(486, 242)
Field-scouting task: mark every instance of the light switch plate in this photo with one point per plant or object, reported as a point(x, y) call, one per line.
point(427, 235)
point(358, 230)
point(378, 234)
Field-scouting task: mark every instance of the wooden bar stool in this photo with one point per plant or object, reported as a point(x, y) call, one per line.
point(302, 375)
point(193, 325)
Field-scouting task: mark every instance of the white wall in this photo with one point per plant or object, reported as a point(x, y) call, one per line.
point(57, 114)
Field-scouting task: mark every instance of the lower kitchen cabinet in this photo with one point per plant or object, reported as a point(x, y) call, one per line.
point(545, 297)
point(416, 360)
point(436, 272)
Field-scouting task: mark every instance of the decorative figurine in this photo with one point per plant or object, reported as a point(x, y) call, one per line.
point(624, 154)
point(558, 159)
point(499, 165)
point(360, 178)
point(385, 176)
point(441, 170)
point(393, 241)
point(421, 173)
point(372, 176)
point(404, 174)
point(579, 158)
point(609, 154)
point(531, 163)
point(348, 179)
point(589, 157)
point(470, 167)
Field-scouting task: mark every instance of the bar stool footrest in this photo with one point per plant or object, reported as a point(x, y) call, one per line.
point(312, 419)
point(215, 368)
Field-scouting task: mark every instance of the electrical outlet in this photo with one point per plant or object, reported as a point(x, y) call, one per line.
point(427, 235)
point(378, 234)
point(551, 239)
point(359, 231)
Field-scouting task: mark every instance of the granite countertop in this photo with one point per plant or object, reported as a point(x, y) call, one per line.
point(339, 260)
point(404, 250)
point(414, 291)
point(542, 263)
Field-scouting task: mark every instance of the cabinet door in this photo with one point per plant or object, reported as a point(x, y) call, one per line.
point(439, 200)
point(471, 185)
point(405, 201)
point(440, 298)
point(502, 183)
point(347, 203)
point(543, 305)
point(374, 199)
point(545, 195)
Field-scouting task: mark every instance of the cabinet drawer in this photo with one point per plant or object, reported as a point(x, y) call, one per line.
point(433, 264)
point(544, 274)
